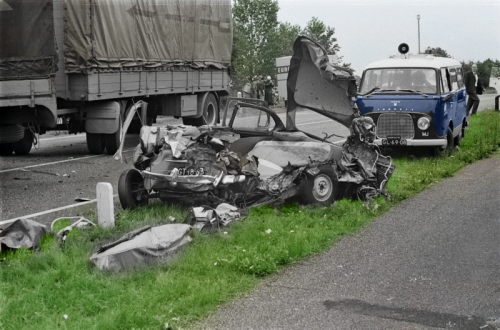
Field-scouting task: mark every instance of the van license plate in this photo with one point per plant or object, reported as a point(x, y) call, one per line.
point(394, 141)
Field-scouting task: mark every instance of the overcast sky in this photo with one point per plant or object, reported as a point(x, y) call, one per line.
point(369, 30)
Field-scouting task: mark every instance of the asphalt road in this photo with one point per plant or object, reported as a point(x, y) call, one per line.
point(55, 175)
point(433, 262)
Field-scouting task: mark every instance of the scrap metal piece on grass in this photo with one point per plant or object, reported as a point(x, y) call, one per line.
point(23, 233)
point(141, 246)
point(76, 222)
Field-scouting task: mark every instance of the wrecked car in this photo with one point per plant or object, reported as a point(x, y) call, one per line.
point(255, 157)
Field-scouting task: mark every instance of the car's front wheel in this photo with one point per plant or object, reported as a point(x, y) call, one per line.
point(321, 188)
point(131, 190)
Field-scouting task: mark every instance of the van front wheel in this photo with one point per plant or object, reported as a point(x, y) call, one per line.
point(445, 150)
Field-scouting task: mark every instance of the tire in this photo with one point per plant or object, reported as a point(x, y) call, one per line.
point(458, 139)
point(321, 188)
point(6, 149)
point(95, 143)
point(11, 133)
point(190, 121)
point(443, 151)
point(210, 113)
point(23, 146)
point(131, 190)
point(112, 142)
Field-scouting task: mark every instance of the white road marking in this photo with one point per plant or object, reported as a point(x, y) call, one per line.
point(315, 122)
point(62, 137)
point(52, 163)
point(45, 164)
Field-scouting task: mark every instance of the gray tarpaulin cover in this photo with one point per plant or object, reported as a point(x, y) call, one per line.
point(27, 43)
point(142, 245)
point(147, 33)
point(23, 233)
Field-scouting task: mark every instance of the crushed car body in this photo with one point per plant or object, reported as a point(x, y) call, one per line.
point(254, 158)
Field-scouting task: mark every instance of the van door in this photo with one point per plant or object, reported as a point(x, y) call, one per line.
point(448, 102)
point(461, 99)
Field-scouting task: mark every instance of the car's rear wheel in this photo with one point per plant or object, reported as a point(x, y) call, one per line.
point(321, 188)
point(131, 190)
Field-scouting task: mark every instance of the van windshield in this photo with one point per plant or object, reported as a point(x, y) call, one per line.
point(396, 79)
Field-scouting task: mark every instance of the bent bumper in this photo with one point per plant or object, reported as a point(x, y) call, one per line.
point(175, 178)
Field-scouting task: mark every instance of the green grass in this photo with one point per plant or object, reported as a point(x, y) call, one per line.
point(38, 288)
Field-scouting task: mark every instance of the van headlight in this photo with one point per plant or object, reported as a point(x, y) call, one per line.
point(423, 123)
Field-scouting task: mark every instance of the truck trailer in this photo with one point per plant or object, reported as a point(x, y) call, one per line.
point(82, 65)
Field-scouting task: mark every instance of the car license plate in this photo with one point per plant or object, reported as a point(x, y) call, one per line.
point(192, 171)
point(393, 141)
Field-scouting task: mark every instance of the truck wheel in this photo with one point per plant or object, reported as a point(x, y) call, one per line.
point(6, 149)
point(442, 151)
point(209, 115)
point(112, 141)
point(11, 133)
point(210, 110)
point(23, 146)
point(321, 188)
point(131, 190)
point(95, 143)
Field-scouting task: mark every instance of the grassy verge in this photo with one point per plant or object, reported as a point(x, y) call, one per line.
point(58, 288)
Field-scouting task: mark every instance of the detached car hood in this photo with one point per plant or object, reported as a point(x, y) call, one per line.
point(316, 84)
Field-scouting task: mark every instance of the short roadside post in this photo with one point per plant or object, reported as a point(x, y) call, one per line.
point(105, 205)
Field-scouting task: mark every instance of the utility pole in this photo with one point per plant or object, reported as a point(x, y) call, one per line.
point(418, 20)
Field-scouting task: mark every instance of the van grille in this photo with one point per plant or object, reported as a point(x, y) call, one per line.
point(395, 124)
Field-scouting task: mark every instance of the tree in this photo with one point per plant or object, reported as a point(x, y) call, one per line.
point(322, 34)
point(254, 52)
point(284, 38)
point(437, 51)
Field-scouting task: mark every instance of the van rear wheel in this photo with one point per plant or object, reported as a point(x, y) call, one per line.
point(458, 138)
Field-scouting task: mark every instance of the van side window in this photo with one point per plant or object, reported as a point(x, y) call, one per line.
point(453, 79)
point(460, 78)
point(445, 81)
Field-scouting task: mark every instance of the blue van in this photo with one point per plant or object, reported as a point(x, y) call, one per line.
point(415, 100)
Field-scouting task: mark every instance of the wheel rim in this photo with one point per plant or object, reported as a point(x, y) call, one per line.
point(322, 188)
point(138, 191)
point(210, 114)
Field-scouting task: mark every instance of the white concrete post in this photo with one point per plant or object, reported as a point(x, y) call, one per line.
point(105, 205)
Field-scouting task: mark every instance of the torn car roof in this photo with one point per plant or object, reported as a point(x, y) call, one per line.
point(316, 84)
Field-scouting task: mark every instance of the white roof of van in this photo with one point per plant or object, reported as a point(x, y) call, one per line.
point(414, 61)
